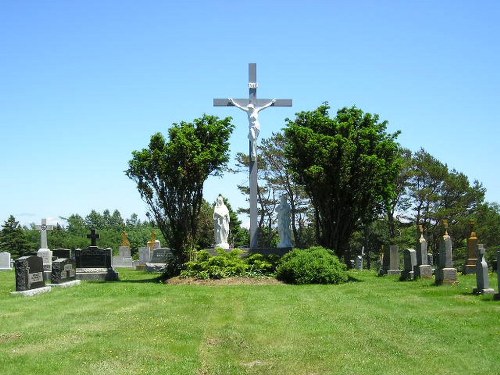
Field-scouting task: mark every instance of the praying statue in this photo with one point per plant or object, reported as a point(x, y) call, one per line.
point(221, 223)
point(253, 120)
point(284, 223)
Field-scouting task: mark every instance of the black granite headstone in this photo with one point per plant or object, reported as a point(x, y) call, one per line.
point(63, 270)
point(61, 253)
point(29, 273)
point(93, 257)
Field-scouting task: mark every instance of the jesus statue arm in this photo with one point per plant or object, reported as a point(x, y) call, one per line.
point(237, 105)
point(266, 105)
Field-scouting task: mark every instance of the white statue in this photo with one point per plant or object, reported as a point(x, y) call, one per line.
point(284, 223)
point(253, 120)
point(221, 223)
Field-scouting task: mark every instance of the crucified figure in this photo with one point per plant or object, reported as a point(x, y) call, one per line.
point(253, 120)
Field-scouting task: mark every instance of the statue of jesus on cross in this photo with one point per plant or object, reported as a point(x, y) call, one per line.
point(253, 120)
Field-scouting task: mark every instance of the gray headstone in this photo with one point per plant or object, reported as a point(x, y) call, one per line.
point(29, 273)
point(124, 259)
point(359, 262)
point(63, 270)
point(445, 273)
point(5, 261)
point(46, 255)
point(482, 277)
point(144, 255)
point(410, 262)
point(423, 268)
point(161, 255)
point(497, 296)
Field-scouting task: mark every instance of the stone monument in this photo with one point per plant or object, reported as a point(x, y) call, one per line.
point(29, 276)
point(472, 242)
point(390, 261)
point(124, 259)
point(422, 269)
point(221, 224)
point(409, 264)
point(482, 277)
point(94, 263)
point(252, 106)
point(445, 273)
point(497, 296)
point(5, 261)
point(44, 251)
point(284, 230)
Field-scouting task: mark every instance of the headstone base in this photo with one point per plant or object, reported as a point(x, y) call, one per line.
point(32, 292)
point(140, 267)
point(123, 262)
point(483, 291)
point(155, 267)
point(67, 284)
point(408, 275)
point(394, 272)
point(470, 269)
point(446, 276)
point(424, 271)
point(96, 274)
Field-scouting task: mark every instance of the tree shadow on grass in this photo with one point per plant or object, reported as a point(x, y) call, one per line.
point(154, 279)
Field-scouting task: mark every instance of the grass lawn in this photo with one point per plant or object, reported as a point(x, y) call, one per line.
point(377, 325)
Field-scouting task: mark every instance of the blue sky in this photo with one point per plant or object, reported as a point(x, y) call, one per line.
point(84, 83)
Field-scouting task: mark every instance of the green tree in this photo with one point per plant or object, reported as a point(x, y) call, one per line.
point(12, 238)
point(348, 166)
point(170, 176)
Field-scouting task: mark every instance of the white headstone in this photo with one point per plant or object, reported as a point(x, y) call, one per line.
point(5, 262)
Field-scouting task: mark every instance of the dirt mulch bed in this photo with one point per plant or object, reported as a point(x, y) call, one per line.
point(226, 281)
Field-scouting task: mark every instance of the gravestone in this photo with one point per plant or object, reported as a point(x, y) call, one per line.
point(390, 261)
point(497, 296)
point(29, 276)
point(144, 255)
point(94, 263)
point(153, 243)
point(159, 260)
point(359, 262)
point(422, 269)
point(482, 277)
point(62, 253)
point(44, 251)
point(445, 273)
point(409, 265)
point(124, 259)
point(472, 243)
point(5, 261)
point(64, 273)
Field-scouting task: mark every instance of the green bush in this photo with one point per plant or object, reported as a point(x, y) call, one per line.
point(315, 265)
point(228, 264)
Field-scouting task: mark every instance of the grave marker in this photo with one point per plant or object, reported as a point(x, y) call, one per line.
point(482, 277)
point(5, 261)
point(29, 276)
point(445, 273)
point(422, 269)
point(410, 263)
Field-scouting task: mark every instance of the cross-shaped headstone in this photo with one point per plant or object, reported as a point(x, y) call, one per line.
point(93, 236)
point(252, 106)
point(43, 228)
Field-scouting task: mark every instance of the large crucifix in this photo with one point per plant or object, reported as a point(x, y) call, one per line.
point(252, 106)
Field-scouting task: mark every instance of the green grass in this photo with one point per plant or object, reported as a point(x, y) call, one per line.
point(377, 325)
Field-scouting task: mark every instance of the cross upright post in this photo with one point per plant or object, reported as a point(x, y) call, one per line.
point(93, 236)
point(252, 106)
point(43, 228)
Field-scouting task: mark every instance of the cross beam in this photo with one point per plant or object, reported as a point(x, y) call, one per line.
point(252, 106)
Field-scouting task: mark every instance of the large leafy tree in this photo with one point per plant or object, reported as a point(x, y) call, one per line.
point(170, 176)
point(348, 166)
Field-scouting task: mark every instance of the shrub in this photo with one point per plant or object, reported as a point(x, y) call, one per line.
point(315, 265)
point(228, 264)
